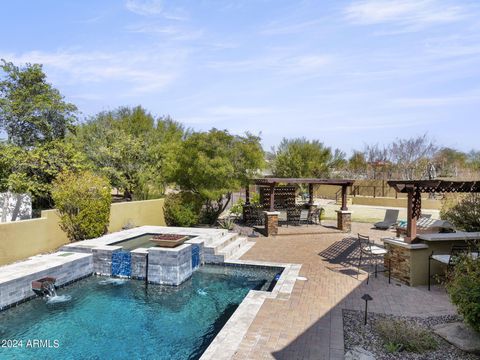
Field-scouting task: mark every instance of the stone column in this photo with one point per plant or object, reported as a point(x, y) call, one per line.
point(344, 220)
point(169, 266)
point(271, 223)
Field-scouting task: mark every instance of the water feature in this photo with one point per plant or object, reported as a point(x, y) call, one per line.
point(122, 263)
point(111, 320)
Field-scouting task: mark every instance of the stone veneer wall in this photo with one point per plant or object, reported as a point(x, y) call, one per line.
point(170, 266)
point(102, 259)
point(400, 263)
point(20, 288)
point(344, 220)
point(139, 263)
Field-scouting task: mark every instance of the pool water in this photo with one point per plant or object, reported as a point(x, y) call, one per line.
point(106, 318)
point(142, 241)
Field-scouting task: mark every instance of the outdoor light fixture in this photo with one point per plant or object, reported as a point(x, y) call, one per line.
point(367, 298)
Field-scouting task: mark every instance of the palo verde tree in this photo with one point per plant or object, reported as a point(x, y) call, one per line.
point(214, 164)
point(135, 151)
point(32, 111)
point(303, 158)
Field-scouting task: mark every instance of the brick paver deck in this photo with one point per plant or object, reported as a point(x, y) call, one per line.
point(309, 325)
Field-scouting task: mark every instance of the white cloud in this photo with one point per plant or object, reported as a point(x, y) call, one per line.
point(277, 63)
point(145, 7)
point(438, 101)
point(411, 15)
point(173, 32)
point(140, 71)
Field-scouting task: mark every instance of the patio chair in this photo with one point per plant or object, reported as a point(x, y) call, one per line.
point(450, 260)
point(282, 217)
point(374, 252)
point(391, 218)
point(304, 217)
point(315, 216)
point(293, 216)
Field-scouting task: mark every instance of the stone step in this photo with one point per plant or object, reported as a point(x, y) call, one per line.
point(232, 248)
point(219, 244)
point(239, 253)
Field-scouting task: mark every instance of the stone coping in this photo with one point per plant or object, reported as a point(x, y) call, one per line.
point(37, 264)
point(143, 230)
point(401, 243)
point(456, 236)
point(227, 341)
point(344, 211)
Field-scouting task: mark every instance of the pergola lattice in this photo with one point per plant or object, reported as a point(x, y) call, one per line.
point(414, 190)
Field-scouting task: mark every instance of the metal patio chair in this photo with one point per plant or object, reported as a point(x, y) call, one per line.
point(372, 252)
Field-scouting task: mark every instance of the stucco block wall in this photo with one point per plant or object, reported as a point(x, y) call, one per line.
point(22, 239)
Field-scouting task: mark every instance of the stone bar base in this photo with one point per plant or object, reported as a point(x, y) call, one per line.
point(271, 223)
point(170, 266)
point(344, 220)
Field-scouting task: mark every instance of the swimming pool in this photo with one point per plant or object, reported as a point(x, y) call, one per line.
point(110, 318)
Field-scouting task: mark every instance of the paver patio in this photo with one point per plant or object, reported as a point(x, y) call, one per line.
point(309, 325)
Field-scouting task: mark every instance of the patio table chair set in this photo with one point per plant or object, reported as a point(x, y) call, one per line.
point(299, 216)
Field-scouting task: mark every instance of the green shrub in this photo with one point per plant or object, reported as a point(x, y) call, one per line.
point(463, 286)
point(465, 214)
point(237, 208)
point(83, 202)
point(399, 335)
point(182, 209)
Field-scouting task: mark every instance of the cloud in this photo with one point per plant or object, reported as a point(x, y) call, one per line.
point(145, 7)
point(173, 32)
point(140, 71)
point(277, 63)
point(438, 101)
point(410, 15)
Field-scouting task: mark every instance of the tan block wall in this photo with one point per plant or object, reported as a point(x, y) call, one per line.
point(22, 239)
point(392, 202)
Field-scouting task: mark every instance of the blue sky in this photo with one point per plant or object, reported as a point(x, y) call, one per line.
point(344, 72)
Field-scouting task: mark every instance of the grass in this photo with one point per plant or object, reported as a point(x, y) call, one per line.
point(400, 335)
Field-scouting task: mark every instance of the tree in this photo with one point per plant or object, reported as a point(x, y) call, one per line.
point(357, 164)
point(83, 202)
point(412, 156)
point(135, 151)
point(214, 164)
point(449, 161)
point(303, 158)
point(32, 170)
point(32, 111)
point(464, 214)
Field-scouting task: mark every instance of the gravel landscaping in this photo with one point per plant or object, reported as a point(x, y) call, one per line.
point(356, 334)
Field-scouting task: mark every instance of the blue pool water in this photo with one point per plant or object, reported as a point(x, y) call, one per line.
point(105, 318)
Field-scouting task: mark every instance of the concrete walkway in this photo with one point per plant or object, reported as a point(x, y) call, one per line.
point(310, 325)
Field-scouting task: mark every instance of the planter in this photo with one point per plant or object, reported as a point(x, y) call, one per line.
point(169, 240)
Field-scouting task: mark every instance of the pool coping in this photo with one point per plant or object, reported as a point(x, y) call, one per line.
point(226, 343)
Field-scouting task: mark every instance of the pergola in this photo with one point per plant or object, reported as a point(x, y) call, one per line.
point(274, 181)
point(414, 190)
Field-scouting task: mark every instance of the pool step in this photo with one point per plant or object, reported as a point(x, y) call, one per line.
point(228, 252)
point(220, 243)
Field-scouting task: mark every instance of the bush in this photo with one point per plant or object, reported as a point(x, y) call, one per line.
point(83, 202)
point(237, 208)
point(463, 286)
point(399, 335)
point(182, 209)
point(465, 214)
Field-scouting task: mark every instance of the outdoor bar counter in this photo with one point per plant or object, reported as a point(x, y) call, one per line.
point(409, 261)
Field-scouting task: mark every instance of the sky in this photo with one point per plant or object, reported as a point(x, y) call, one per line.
point(347, 73)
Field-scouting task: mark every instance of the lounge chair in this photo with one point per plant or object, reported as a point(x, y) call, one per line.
point(391, 218)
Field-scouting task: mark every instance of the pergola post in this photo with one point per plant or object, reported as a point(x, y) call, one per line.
point(272, 197)
point(344, 198)
point(411, 216)
point(310, 194)
point(247, 194)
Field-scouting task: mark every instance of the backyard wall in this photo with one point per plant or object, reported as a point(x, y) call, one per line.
point(22, 239)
